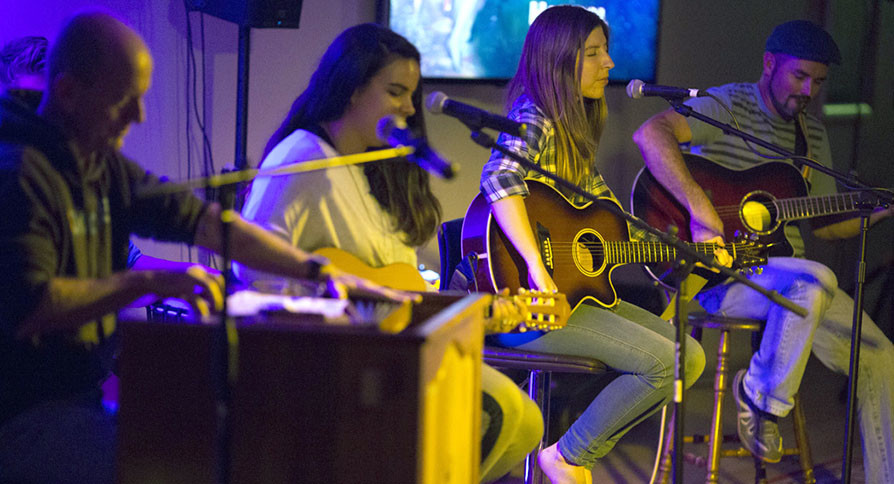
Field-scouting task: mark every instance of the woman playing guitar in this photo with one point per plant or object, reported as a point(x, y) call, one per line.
point(558, 92)
point(379, 212)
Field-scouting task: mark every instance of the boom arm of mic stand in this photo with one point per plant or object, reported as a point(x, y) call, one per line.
point(239, 176)
point(489, 142)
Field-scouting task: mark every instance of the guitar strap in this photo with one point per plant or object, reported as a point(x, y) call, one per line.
point(802, 147)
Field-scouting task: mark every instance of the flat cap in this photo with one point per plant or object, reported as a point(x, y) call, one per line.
point(805, 40)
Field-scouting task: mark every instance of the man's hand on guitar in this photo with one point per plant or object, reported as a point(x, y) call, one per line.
point(705, 225)
point(721, 255)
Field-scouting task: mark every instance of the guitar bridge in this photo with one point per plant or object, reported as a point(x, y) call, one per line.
point(546, 248)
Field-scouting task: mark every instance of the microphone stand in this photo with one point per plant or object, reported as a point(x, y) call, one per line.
point(865, 210)
point(225, 340)
point(687, 258)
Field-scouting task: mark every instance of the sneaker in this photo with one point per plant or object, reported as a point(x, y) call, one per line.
point(759, 434)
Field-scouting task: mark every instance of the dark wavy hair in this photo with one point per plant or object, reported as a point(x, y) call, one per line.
point(549, 74)
point(350, 62)
point(22, 56)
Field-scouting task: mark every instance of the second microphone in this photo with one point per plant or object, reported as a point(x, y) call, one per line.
point(394, 131)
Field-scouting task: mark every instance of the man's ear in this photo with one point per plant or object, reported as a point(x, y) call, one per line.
point(769, 63)
point(65, 91)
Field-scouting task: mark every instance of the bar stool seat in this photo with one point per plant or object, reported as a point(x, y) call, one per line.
point(701, 321)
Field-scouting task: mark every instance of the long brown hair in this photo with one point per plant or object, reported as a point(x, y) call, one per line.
point(549, 74)
point(353, 58)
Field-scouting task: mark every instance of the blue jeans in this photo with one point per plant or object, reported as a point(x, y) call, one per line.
point(775, 371)
point(638, 345)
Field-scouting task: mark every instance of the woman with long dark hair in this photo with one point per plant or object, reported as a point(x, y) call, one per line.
point(382, 211)
point(559, 92)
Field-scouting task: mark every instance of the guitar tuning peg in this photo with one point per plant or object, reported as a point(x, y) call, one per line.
point(753, 237)
point(737, 234)
point(758, 270)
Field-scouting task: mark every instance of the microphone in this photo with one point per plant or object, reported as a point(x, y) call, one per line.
point(473, 117)
point(637, 89)
point(394, 131)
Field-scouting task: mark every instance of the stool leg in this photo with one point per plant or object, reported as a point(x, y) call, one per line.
point(538, 390)
point(800, 427)
point(760, 471)
point(666, 465)
point(716, 439)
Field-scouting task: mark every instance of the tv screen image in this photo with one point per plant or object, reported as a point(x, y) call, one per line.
point(482, 39)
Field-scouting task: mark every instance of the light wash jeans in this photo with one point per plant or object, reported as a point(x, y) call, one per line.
point(775, 372)
point(633, 342)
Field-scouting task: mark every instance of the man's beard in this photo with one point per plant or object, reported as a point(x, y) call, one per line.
point(782, 108)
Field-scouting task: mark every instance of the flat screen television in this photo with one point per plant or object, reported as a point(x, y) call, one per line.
point(482, 39)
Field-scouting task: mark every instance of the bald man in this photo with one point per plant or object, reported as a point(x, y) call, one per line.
point(71, 200)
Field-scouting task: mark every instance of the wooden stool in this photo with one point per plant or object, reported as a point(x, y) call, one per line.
point(700, 322)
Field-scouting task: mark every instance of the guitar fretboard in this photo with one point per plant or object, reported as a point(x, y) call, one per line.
point(638, 252)
point(807, 207)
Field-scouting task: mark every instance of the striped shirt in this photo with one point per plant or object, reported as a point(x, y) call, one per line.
point(753, 116)
point(504, 177)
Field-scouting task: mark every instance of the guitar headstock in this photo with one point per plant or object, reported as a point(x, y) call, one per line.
point(749, 252)
point(530, 310)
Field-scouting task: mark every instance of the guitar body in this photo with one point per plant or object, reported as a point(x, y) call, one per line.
point(570, 239)
point(527, 311)
point(400, 276)
point(725, 187)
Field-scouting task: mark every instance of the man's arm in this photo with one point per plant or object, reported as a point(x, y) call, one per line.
point(67, 303)
point(255, 247)
point(658, 140)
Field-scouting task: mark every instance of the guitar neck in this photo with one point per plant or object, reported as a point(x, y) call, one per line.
point(640, 252)
point(806, 207)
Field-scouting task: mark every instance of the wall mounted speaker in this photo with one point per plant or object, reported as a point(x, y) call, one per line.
point(261, 14)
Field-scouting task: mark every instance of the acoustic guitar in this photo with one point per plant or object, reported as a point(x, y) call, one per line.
point(580, 246)
point(757, 200)
point(528, 310)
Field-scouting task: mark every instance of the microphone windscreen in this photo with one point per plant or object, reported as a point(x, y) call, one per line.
point(435, 102)
point(635, 89)
point(386, 126)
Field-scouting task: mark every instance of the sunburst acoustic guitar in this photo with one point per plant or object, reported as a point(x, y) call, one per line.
point(757, 200)
point(580, 246)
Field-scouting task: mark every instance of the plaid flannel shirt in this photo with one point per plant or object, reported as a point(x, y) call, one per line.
point(504, 177)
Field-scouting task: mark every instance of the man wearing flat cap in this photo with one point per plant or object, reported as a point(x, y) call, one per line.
point(795, 66)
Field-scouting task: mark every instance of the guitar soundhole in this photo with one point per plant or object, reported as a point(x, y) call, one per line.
point(758, 213)
point(589, 253)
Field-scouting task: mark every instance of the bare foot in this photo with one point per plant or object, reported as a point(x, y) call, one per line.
point(560, 471)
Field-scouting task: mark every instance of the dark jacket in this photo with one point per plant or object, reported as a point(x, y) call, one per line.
point(60, 222)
